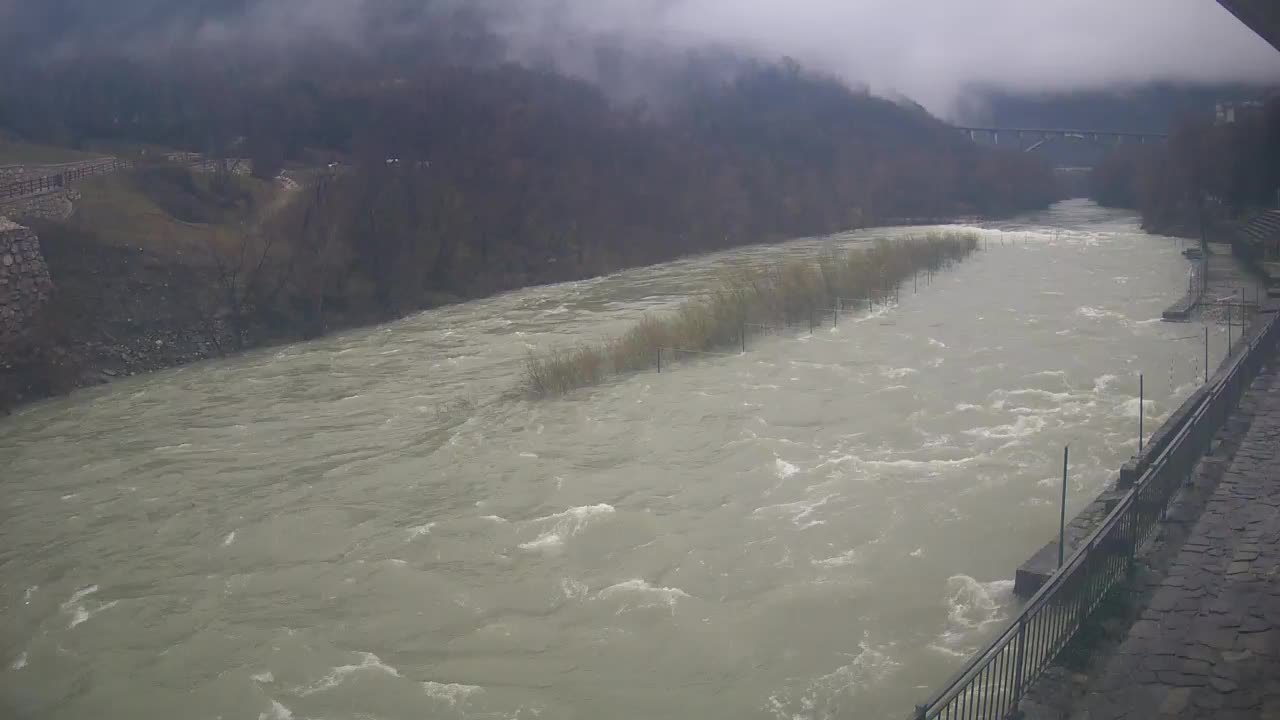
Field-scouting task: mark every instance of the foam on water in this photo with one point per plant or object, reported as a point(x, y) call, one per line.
point(844, 559)
point(879, 312)
point(972, 606)
point(573, 589)
point(452, 693)
point(77, 608)
point(784, 469)
point(1102, 382)
point(1094, 313)
point(565, 525)
point(833, 695)
point(907, 464)
point(277, 711)
point(800, 511)
point(418, 531)
point(20, 662)
point(639, 594)
point(263, 677)
point(1049, 395)
point(368, 663)
point(898, 373)
point(545, 541)
point(1050, 373)
point(1131, 407)
point(1024, 426)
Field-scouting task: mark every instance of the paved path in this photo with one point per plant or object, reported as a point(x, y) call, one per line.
point(1229, 282)
point(1208, 644)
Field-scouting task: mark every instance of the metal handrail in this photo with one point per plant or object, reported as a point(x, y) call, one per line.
point(994, 680)
point(49, 183)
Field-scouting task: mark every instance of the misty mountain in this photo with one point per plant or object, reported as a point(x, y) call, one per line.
point(465, 179)
point(933, 51)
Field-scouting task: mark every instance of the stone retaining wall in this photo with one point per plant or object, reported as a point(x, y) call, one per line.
point(1181, 310)
point(56, 206)
point(24, 283)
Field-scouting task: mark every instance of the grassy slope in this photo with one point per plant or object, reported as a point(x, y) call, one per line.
point(117, 211)
point(14, 151)
point(19, 153)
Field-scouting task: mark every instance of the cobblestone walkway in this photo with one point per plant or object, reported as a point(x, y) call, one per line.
point(1208, 644)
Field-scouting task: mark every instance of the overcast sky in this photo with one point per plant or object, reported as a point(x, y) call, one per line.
point(931, 50)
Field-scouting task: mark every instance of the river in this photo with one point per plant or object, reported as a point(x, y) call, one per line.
point(374, 526)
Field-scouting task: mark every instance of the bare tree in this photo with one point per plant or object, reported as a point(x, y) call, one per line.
point(241, 266)
point(314, 228)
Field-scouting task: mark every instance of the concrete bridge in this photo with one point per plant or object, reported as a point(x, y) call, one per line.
point(1029, 139)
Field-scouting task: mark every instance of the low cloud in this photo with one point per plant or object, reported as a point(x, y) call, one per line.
point(934, 51)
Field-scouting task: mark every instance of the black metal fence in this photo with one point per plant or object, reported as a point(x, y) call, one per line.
point(994, 680)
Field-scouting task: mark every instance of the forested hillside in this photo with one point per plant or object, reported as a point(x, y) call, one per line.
point(436, 164)
point(1224, 170)
point(497, 175)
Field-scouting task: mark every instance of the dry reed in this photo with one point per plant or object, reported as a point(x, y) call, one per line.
point(790, 292)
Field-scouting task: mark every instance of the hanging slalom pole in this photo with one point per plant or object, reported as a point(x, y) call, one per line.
point(1062, 517)
point(1141, 410)
point(1206, 354)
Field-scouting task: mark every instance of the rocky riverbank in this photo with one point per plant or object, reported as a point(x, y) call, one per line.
point(121, 311)
point(115, 312)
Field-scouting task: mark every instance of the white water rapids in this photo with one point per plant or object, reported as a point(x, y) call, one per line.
point(371, 526)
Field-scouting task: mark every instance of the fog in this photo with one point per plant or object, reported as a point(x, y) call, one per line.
point(933, 51)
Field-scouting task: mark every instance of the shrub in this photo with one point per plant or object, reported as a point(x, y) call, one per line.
point(783, 293)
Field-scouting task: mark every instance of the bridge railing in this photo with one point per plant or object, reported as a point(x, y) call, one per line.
point(1064, 131)
point(57, 181)
point(993, 681)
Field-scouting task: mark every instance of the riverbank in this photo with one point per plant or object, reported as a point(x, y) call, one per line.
point(127, 305)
